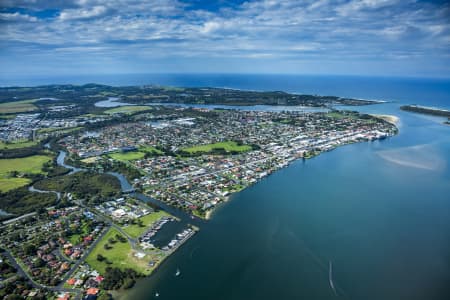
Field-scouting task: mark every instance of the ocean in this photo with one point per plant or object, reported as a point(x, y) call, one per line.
point(378, 212)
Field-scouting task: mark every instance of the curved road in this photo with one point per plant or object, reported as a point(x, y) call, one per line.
point(23, 273)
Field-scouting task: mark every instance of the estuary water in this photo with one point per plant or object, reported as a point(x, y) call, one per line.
point(379, 212)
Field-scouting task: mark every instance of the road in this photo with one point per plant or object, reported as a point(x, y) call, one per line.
point(110, 223)
point(23, 273)
point(83, 257)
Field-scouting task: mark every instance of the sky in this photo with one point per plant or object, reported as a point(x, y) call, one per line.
point(342, 37)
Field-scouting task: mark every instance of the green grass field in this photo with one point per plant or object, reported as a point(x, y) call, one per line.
point(136, 231)
point(151, 150)
point(7, 117)
point(120, 256)
point(31, 164)
point(228, 146)
point(17, 145)
point(17, 107)
point(60, 130)
point(335, 115)
point(127, 109)
point(127, 156)
point(341, 115)
point(7, 184)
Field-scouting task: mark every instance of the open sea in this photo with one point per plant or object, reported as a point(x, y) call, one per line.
point(378, 212)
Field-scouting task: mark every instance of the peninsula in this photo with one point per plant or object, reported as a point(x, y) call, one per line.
point(428, 111)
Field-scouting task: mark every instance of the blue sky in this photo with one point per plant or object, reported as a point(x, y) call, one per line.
point(348, 37)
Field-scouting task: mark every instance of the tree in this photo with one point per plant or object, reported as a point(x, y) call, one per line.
point(39, 263)
point(120, 238)
point(128, 283)
point(100, 257)
point(105, 296)
point(29, 249)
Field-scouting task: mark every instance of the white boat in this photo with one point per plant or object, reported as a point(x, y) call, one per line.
point(178, 272)
point(156, 294)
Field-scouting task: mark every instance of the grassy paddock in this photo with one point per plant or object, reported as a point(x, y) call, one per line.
point(7, 117)
point(31, 164)
point(59, 129)
point(150, 149)
point(127, 156)
point(7, 184)
point(17, 107)
point(229, 146)
point(135, 230)
point(17, 145)
point(127, 109)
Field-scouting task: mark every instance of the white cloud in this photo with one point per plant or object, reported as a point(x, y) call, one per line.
point(298, 30)
point(17, 17)
point(75, 14)
point(355, 6)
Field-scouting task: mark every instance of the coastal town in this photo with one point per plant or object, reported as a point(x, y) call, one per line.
point(195, 163)
point(103, 196)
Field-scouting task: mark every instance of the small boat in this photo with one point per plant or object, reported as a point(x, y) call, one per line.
point(178, 272)
point(156, 294)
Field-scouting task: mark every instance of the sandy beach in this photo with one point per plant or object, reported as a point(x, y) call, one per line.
point(388, 118)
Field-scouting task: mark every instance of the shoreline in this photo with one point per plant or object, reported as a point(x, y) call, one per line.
point(123, 294)
point(392, 119)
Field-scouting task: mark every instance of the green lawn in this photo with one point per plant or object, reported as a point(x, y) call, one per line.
point(17, 106)
point(7, 184)
point(17, 145)
point(120, 256)
point(228, 146)
point(127, 109)
point(126, 156)
point(136, 231)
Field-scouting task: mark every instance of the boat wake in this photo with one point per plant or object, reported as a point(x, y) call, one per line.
point(321, 263)
point(330, 278)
